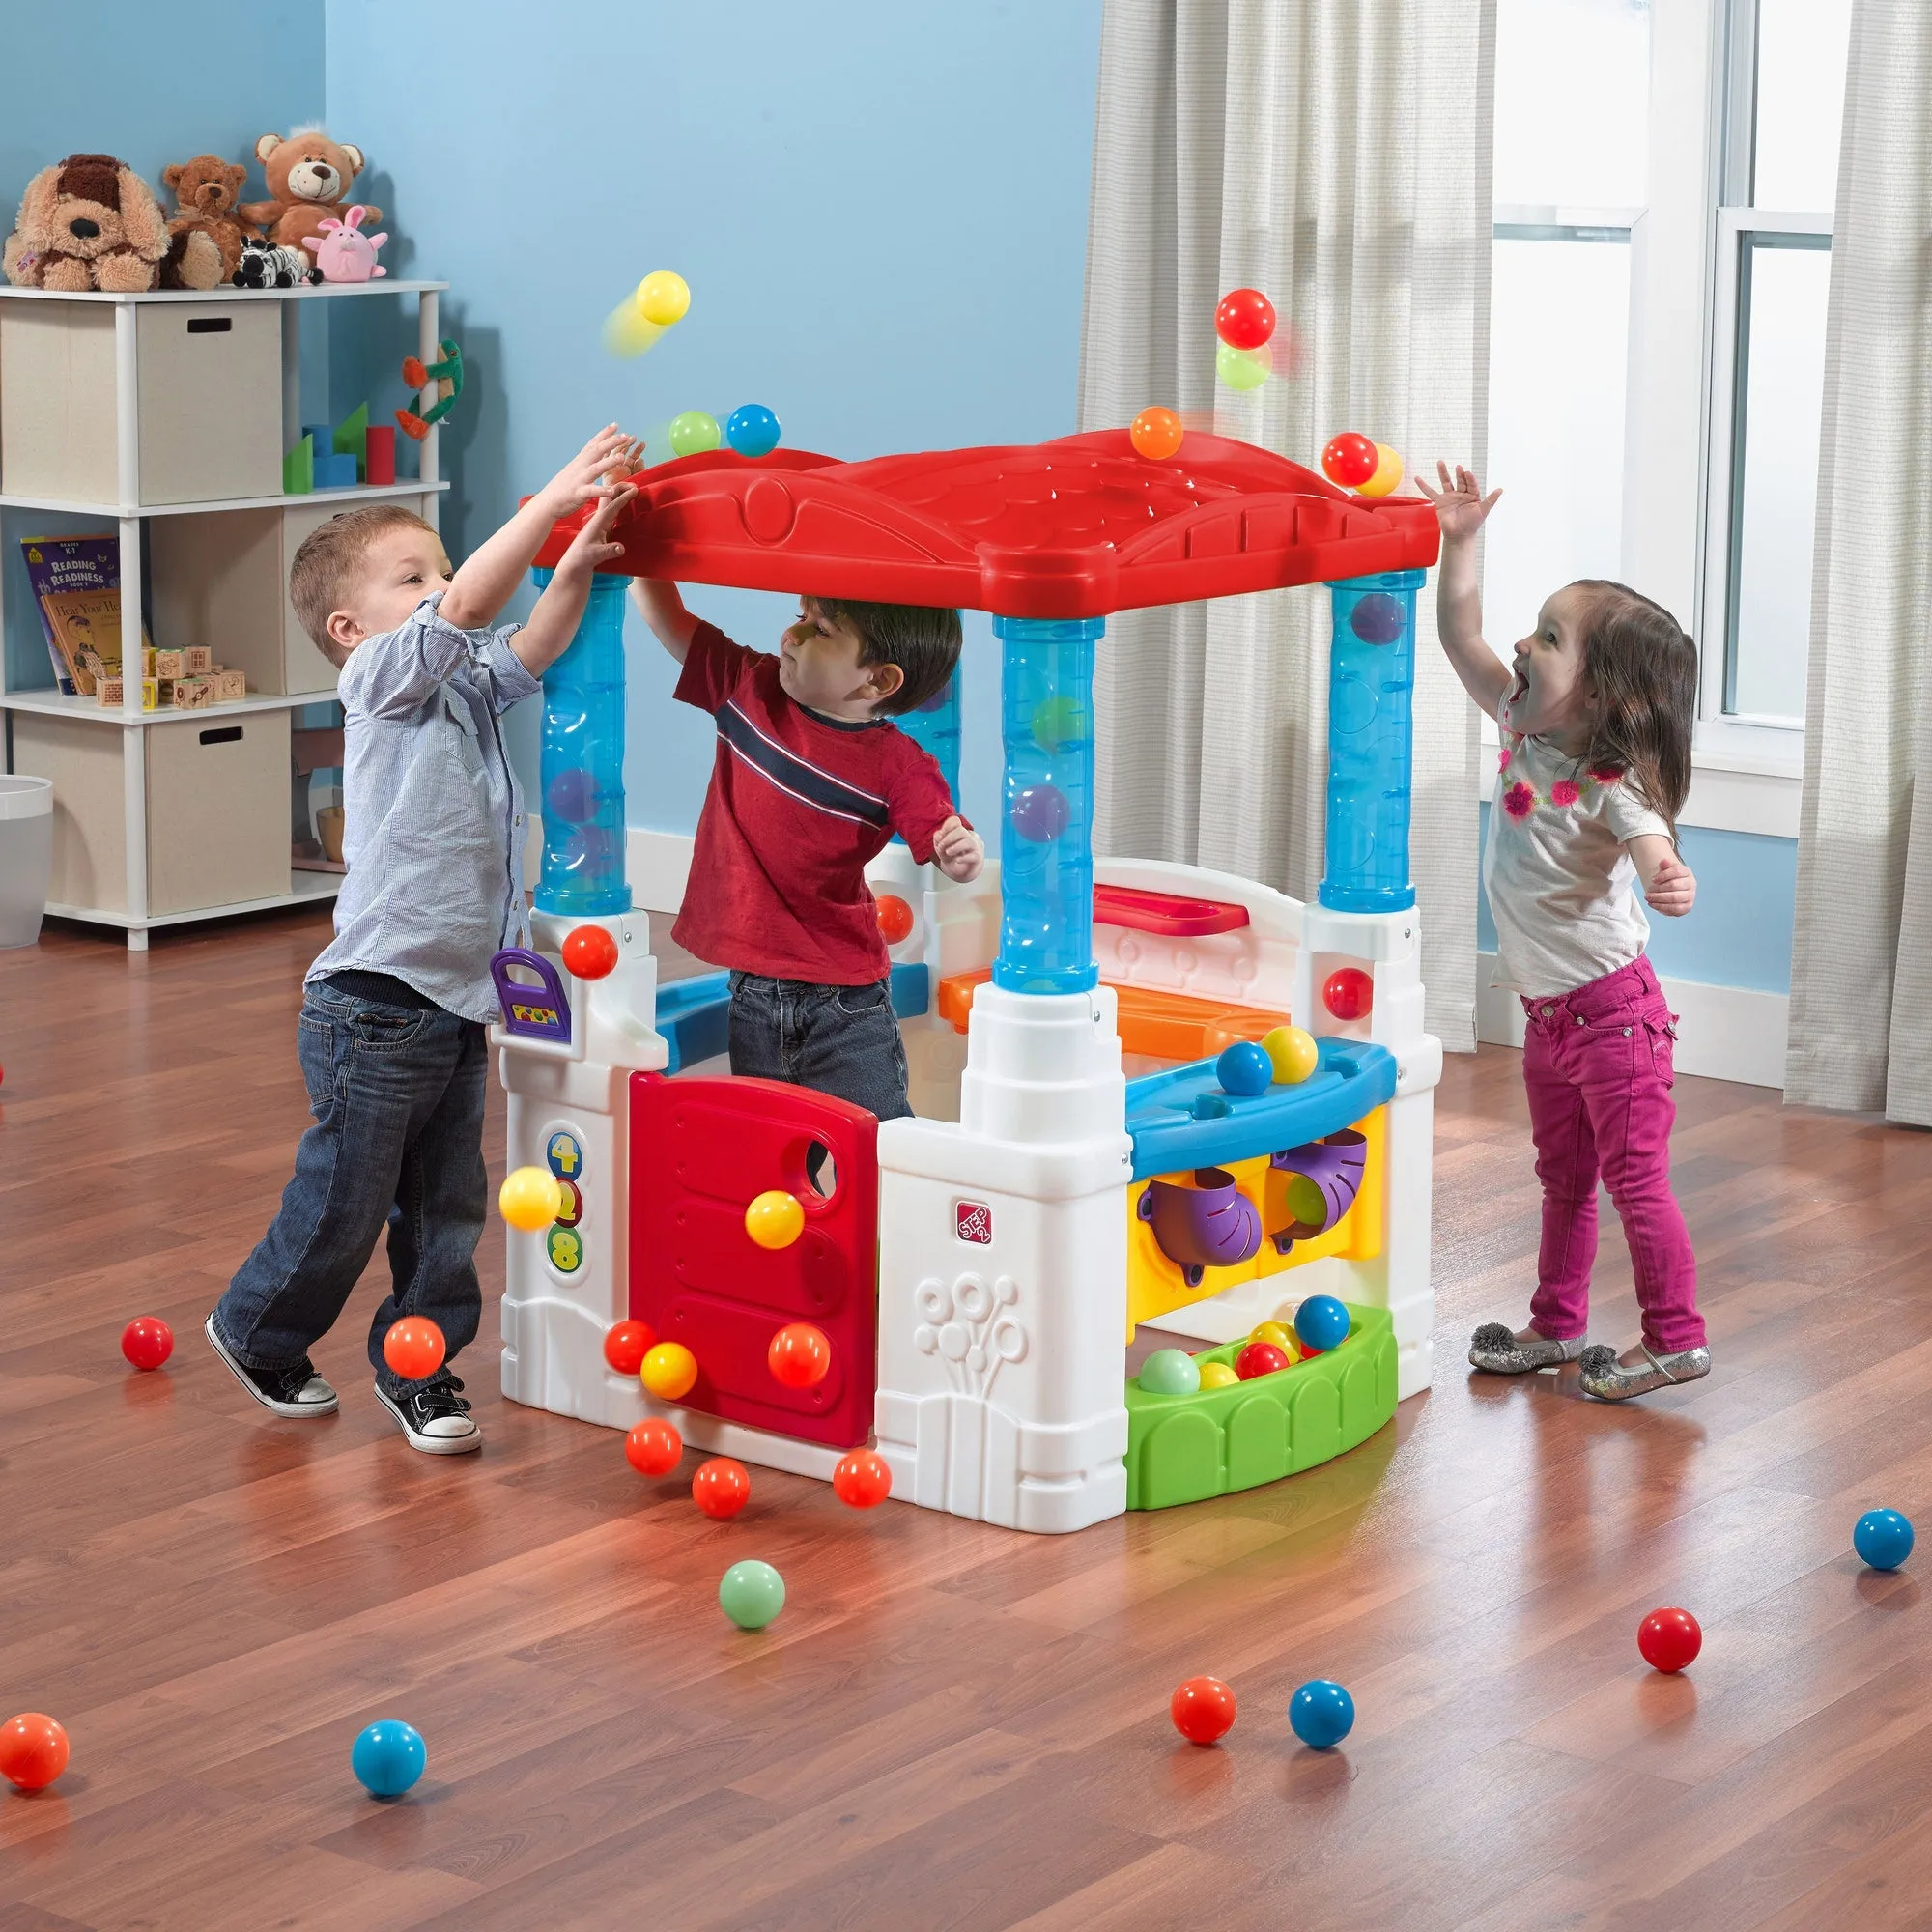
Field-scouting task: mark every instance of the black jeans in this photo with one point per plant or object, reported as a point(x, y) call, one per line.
point(397, 1093)
point(841, 1039)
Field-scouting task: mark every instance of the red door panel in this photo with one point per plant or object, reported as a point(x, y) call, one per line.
point(701, 1150)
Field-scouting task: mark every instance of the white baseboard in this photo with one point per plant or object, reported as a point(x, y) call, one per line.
point(1723, 1033)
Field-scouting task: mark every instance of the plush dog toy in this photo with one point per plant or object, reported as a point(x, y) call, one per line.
point(309, 177)
point(88, 222)
point(207, 190)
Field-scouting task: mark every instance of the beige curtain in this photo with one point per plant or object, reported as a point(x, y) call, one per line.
point(1334, 154)
point(1862, 950)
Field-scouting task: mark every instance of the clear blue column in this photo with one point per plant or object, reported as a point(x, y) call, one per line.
point(1046, 828)
point(1371, 684)
point(582, 769)
point(935, 727)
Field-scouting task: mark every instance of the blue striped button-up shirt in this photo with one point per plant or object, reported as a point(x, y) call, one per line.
point(432, 817)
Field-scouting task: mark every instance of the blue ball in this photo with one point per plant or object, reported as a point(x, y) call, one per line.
point(1883, 1538)
point(1321, 1713)
point(751, 429)
point(1244, 1068)
point(1322, 1323)
point(388, 1757)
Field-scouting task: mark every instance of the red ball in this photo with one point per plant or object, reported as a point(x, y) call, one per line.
point(33, 1750)
point(1347, 992)
point(589, 952)
point(1259, 1358)
point(1349, 459)
point(1669, 1640)
point(1202, 1709)
point(1245, 319)
point(146, 1341)
point(800, 1356)
point(414, 1348)
point(720, 1487)
point(862, 1480)
point(627, 1344)
point(894, 919)
point(654, 1448)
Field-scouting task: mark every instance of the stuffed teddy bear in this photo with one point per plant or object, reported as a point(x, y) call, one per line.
point(310, 175)
point(207, 190)
point(88, 222)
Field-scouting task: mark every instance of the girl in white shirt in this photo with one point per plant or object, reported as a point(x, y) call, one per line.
point(1596, 711)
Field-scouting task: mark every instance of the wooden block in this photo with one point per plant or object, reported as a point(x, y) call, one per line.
point(109, 691)
point(231, 687)
point(201, 692)
point(186, 694)
point(170, 664)
point(148, 662)
point(164, 692)
point(197, 661)
point(150, 693)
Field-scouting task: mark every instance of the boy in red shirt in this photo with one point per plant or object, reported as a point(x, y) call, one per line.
point(812, 778)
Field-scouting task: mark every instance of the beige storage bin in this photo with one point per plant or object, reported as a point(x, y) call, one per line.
point(210, 400)
point(222, 580)
point(217, 807)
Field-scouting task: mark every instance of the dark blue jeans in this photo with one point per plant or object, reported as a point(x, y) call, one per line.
point(844, 1041)
point(397, 1093)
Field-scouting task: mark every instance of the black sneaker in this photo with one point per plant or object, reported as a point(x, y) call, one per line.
point(295, 1390)
point(435, 1417)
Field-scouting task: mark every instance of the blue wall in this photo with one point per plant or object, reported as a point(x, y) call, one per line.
point(151, 86)
point(1738, 933)
point(881, 212)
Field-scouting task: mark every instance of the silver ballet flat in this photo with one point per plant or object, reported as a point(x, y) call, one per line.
point(1609, 1381)
point(1494, 1349)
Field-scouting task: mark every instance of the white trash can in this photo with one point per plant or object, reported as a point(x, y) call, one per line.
point(26, 855)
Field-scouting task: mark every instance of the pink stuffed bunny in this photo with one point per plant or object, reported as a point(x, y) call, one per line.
point(343, 253)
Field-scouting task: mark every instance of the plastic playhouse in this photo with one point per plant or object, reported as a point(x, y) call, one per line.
point(1077, 1165)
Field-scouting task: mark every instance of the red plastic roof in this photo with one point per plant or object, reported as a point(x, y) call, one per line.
point(1078, 527)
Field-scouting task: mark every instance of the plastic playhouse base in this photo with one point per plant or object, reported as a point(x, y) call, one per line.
point(1184, 1448)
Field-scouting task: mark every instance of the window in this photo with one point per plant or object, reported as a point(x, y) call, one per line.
point(1783, 88)
point(1570, 177)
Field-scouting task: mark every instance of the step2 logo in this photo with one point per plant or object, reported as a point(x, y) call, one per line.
point(974, 1222)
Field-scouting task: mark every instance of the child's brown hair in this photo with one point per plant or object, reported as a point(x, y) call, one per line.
point(924, 642)
point(1643, 668)
point(328, 562)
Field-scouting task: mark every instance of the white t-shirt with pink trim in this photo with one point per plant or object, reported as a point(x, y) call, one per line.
point(1561, 884)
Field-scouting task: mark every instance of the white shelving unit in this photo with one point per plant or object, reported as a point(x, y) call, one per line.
point(127, 514)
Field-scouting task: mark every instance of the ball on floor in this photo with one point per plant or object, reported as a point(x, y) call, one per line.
point(388, 1757)
point(1203, 1710)
point(1321, 1714)
point(1669, 1640)
point(1883, 1538)
point(147, 1342)
point(750, 1594)
point(33, 1750)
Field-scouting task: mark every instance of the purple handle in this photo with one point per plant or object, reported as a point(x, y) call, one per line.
point(537, 1012)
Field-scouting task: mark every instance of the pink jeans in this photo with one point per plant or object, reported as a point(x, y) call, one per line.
point(1597, 1062)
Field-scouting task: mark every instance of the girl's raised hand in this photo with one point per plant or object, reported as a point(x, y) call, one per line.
point(1460, 507)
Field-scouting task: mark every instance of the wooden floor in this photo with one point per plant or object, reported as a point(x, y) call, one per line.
point(950, 1725)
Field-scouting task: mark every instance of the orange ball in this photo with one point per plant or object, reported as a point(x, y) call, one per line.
point(1155, 433)
point(800, 1356)
point(653, 1448)
point(720, 1487)
point(414, 1348)
point(1203, 1710)
point(33, 1750)
point(589, 952)
point(627, 1344)
point(894, 919)
point(863, 1478)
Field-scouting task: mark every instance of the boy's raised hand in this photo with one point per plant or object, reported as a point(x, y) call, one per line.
point(593, 471)
point(1460, 507)
point(958, 851)
point(591, 548)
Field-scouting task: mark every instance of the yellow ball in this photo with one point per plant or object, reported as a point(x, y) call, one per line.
point(1388, 473)
point(1282, 1337)
point(529, 1198)
point(669, 1371)
point(1291, 1052)
point(663, 297)
point(1217, 1375)
point(775, 1219)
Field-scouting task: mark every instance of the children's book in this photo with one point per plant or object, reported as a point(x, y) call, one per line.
point(61, 564)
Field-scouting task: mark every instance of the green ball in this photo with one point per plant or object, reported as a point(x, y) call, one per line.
point(693, 431)
point(750, 1594)
point(1060, 721)
point(1241, 368)
point(1171, 1372)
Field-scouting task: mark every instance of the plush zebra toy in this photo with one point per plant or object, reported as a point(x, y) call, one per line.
point(264, 265)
